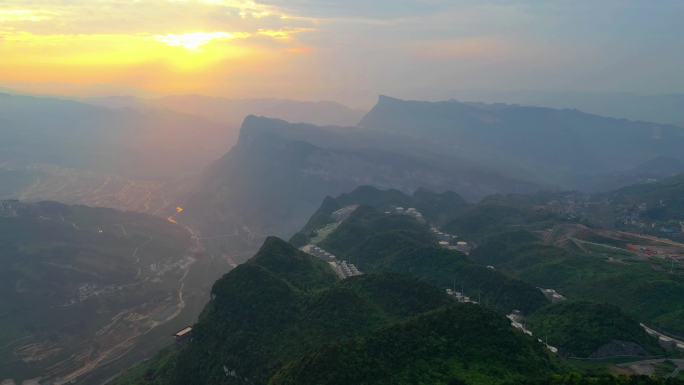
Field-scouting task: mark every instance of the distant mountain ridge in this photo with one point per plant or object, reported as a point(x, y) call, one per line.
point(657, 108)
point(232, 112)
point(561, 147)
point(139, 143)
point(474, 149)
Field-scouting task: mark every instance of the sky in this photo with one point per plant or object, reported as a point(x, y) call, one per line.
point(344, 50)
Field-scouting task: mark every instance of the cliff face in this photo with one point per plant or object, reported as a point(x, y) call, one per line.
point(275, 177)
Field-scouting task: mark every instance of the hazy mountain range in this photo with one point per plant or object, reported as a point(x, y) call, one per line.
point(664, 108)
point(146, 156)
point(124, 152)
point(543, 145)
point(498, 172)
point(137, 143)
point(233, 111)
point(269, 182)
point(273, 179)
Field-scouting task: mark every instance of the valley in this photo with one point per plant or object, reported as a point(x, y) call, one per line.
point(588, 276)
point(341, 192)
point(71, 186)
point(115, 278)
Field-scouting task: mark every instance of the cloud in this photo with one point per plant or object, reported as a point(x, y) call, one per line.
point(364, 9)
point(15, 15)
point(143, 16)
point(341, 49)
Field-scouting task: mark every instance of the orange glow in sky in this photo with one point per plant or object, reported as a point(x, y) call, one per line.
point(78, 46)
point(344, 50)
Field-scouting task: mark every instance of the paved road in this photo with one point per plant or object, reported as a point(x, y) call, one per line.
point(679, 344)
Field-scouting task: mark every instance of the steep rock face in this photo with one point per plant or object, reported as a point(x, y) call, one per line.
point(277, 174)
point(553, 146)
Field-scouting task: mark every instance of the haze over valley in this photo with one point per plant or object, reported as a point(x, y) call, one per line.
point(295, 192)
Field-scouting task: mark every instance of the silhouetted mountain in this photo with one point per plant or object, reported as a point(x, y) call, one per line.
point(665, 109)
point(561, 147)
point(275, 177)
point(234, 111)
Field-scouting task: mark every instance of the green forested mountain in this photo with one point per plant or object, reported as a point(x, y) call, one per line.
point(436, 207)
point(659, 205)
point(531, 242)
point(283, 308)
point(376, 242)
point(284, 317)
point(595, 265)
point(585, 329)
point(461, 344)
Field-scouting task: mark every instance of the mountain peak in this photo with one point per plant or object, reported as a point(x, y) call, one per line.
point(287, 262)
point(275, 245)
point(388, 99)
point(254, 127)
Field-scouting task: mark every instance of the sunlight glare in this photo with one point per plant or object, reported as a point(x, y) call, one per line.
point(194, 41)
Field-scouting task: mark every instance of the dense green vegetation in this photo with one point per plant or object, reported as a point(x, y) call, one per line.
point(279, 306)
point(283, 317)
point(664, 199)
point(579, 379)
point(461, 344)
point(437, 208)
point(646, 294)
point(378, 242)
point(492, 216)
point(585, 329)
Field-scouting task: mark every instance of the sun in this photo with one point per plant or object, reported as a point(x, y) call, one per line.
point(196, 40)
